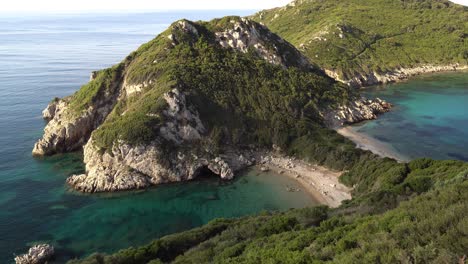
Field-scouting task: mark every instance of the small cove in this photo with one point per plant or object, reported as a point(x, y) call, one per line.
point(44, 57)
point(429, 118)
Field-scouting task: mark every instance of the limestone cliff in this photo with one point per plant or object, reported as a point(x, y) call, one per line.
point(134, 167)
point(198, 98)
point(68, 129)
point(131, 99)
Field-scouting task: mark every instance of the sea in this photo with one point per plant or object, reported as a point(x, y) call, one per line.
point(429, 117)
point(42, 57)
point(47, 56)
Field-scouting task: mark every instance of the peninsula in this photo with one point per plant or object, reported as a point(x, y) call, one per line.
point(223, 95)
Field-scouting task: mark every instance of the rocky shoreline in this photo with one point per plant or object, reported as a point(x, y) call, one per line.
point(67, 130)
point(180, 148)
point(400, 74)
point(128, 167)
point(356, 111)
point(38, 254)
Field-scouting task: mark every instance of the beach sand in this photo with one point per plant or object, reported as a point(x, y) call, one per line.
point(366, 142)
point(321, 183)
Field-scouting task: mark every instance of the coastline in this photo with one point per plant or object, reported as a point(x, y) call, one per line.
point(319, 182)
point(371, 144)
point(396, 75)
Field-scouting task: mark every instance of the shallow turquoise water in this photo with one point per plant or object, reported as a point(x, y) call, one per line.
point(430, 117)
point(44, 57)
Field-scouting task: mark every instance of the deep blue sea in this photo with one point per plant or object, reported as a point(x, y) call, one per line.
point(46, 56)
point(42, 57)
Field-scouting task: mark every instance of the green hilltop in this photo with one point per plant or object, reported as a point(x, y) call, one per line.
point(354, 37)
point(241, 98)
point(270, 94)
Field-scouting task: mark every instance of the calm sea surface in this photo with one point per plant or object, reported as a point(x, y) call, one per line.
point(430, 117)
point(44, 57)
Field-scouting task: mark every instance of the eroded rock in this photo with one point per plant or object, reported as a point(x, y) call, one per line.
point(356, 111)
point(127, 167)
point(38, 254)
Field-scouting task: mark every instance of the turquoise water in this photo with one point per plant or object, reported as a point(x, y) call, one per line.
point(44, 57)
point(430, 117)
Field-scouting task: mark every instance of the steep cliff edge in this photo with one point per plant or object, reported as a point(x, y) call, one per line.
point(199, 97)
point(369, 42)
point(72, 119)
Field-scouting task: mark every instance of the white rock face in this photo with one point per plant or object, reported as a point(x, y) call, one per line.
point(63, 134)
point(67, 130)
point(188, 27)
point(246, 34)
point(357, 111)
point(184, 124)
point(135, 167)
point(393, 76)
point(129, 167)
point(38, 254)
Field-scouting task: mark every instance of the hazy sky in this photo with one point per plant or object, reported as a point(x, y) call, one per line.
point(138, 5)
point(39, 6)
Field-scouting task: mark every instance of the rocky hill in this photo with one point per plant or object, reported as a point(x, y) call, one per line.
point(205, 96)
point(201, 96)
point(373, 41)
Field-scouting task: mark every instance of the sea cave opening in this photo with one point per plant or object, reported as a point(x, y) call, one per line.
point(204, 172)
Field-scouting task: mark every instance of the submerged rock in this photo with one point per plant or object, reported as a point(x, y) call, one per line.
point(38, 254)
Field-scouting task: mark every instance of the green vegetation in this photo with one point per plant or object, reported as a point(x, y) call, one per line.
point(105, 84)
point(410, 213)
point(355, 36)
point(241, 98)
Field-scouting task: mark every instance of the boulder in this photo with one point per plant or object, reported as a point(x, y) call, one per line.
point(37, 254)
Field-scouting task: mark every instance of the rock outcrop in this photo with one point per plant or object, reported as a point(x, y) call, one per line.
point(38, 254)
point(68, 129)
point(128, 167)
point(245, 34)
point(360, 80)
point(140, 123)
point(356, 111)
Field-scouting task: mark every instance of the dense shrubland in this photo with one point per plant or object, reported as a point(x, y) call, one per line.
point(410, 213)
point(355, 36)
point(241, 98)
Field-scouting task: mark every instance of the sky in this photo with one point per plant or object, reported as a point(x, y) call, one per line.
point(46, 6)
point(133, 5)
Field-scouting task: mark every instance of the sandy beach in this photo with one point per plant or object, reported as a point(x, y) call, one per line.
point(368, 143)
point(321, 183)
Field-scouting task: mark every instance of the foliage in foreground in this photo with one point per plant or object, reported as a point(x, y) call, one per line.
point(400, 213)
